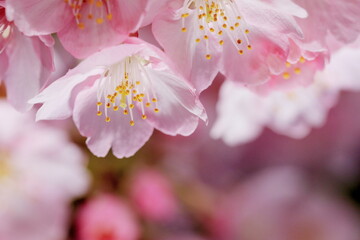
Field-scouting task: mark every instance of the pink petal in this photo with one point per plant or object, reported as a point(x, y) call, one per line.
point(340, 18)
point(124, 139)
point(179, 106)
point(58, 98)
point(39, 17)
point(182, 49)
point(30, 64)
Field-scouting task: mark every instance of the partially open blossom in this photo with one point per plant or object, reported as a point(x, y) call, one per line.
point(25, 62)
point(37, 163)
point(242, 114)
point(217, 33)
point(152, 196)
point(119, 95)
point(83, 27)
point(106, 217)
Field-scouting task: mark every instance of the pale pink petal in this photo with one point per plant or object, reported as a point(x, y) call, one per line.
point(189, 56)
point(337, 17)
point(30, 64)
point(39, 17)
point(124, 139)
point(58, 98)
point(178, 105)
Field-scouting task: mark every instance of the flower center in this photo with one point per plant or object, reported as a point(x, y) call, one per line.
point(96, 10)
point(217, 18)
point(126, 85)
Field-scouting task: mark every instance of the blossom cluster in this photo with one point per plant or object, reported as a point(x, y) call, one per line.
point(141, 65)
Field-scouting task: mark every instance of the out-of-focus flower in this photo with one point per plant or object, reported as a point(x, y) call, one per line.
point(106, 217)
point(280, 204)
point(217, 33)
point(119, 95)
point(37, 163)
point(152, 195)
point(242, 114)
point(83, 27)
point(25, 62)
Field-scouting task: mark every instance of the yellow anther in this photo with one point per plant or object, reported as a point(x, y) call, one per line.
point(108, 105)
point(116, 108)
point(144, 116)
point(81, 25)
point(147, 104)
point(286, 75)
point(132, 123)
point(99, 113)
point(239, 41)
point(183, 29)
point(156, 110)
point(123, 105)
point(154, 100)
point(297, 70)
point(99, 3)
point(220, 32)
point(201, 27)
point(302, 60)
point(237, 24)
point(131, 106)
point(249, 47)
point(247, 31)
point(212, 30)
point(224, 25)
point(208, 56)
point(137, 82)
point(126, 112)
point(197, 40)
point(99, 20)
point(241, 52)
point(288, 64)
point(99, 103)
point(221, 42)
point(109, 16)
point(107, 119)
point(206, 37)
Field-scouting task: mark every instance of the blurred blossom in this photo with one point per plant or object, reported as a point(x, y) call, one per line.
point(242, 114)
point(106, 217)
point(152, 195)
point(283, 204)
point(40, 173)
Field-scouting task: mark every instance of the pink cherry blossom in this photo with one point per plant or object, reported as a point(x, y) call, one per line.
point(242, 114)
point(119, 95)
point(106, 217)
point(37, 163)
point(152, 195)
point(216, 35)
point(25, 62)
point(83, 26)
